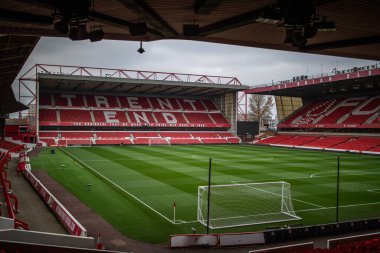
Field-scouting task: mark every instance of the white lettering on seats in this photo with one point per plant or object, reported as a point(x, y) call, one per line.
point(164, 104)
point(110, 117)
point(191, 102)
point(101, 100)
point(358, 110)
point(142, 117)
point(133, 102)
point(347, 102)
point(68, 98)
point(169, 118)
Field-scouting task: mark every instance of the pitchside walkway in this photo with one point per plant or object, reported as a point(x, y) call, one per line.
point(33, 210)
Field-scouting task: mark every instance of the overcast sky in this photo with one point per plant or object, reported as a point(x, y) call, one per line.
point(251, 66)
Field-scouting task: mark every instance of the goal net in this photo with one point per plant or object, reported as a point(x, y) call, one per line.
point(245, 204)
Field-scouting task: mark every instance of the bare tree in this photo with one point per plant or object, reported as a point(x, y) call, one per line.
point(260, 107)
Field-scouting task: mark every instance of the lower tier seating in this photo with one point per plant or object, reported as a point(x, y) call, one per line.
point(11, 146)
point(351, 143)
point(67, 138)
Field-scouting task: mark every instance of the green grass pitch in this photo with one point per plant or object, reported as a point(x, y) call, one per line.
point(134, 187)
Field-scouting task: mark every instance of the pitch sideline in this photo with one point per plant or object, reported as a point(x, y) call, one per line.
point(125, 191)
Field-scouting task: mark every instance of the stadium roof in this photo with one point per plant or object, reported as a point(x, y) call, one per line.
point(14, 51)
point(263, 24)
point(118, 81)
point(362, 80)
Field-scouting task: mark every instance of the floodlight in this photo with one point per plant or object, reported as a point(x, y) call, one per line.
point(78, 32)
point(270, 15)
point(61, 26)
point(325, 26)
point(96, 35)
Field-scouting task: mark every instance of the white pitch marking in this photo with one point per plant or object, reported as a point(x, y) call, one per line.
point(374, 190)
point(333, 207)
point(345, 173)
point(122, 189)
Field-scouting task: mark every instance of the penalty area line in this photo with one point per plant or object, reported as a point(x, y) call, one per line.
point(120, 188)
point(374, 190)
point(333, 207)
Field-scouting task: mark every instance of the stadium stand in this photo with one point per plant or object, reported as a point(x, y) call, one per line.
point(344, 143)
point(11, 146)
point(313, 125)
point(359, 112)
point(10, 200)
point(78, 111)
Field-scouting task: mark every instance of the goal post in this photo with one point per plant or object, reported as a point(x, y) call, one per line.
point(236, 205)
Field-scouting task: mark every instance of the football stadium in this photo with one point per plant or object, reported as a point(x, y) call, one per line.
point(119, 160)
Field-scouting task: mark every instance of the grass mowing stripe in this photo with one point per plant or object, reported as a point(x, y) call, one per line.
point(161, 165)
point(173, 188)
point(84, 165)
point(157, 171)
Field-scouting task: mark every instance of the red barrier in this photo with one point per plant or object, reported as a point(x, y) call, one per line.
point(68, 221)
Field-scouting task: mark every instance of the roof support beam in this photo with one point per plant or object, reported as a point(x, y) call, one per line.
point(199, 90)
point(12, 58)
point(343, 43)
point(213, 92)
point(24, 17)
point(147, 14)
point(117, 21)
point(242, 20)
point(164, 90)
point(230, 23)
point(149, 89)
point(134, 87)
point(117, 86)
point(97, 86)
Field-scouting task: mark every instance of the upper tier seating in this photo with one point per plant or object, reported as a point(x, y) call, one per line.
point(136, 103)
point(74, 116)
point(48, 115)
point(357, 112)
